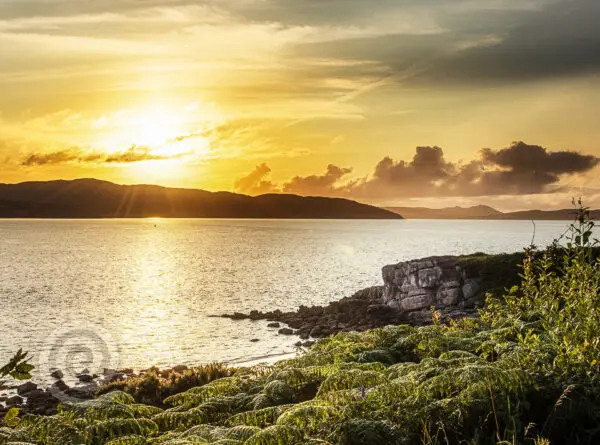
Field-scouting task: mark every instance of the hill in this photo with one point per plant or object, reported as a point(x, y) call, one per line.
point(485, 212)
point(90, 198)
point(476, 212)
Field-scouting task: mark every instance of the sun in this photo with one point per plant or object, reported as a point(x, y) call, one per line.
point(171, 135)
point(155, 127)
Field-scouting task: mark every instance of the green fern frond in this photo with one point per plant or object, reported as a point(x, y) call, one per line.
point(147, 411)
point(348, 379)
point(51, 430)
point(170, 420)
point(114, 428)
point(279, 391)
point(116, 404)
point(128, 440)
point(276, 435)
point(260, 418)
point(307, 417)
point(227, 386)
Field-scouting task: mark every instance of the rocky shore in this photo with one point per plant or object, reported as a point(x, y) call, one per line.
point(31, 399)
point(453, 287)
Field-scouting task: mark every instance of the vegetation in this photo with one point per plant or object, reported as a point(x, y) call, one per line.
point(18, 368)
point(154, 385)
point(526, 372)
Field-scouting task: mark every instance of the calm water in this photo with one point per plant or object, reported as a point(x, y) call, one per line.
point(127, 293)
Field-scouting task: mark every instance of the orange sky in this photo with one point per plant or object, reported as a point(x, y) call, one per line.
point(198, 94)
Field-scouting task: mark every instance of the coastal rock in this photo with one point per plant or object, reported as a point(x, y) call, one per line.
point(115, 377)
point(26, 388)
point(318, 332)
point(274, 325)
point(60, 386)
point(179, 369)
point(449, 296)
point(41, 402)
point(85, 378)
point(82, 392)
point(57, 374)
point(417, 302)
point(415, 287)
point(453, 286)
point(14, 401)
point(470, 289)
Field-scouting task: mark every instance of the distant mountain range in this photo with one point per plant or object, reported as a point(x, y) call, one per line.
point(90, 198)
point(484, 212)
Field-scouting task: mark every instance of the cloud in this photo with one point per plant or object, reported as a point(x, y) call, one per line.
point(516, 170)
point(77, 155)
point(255, 183)
point(519, 169)
point(324, 184)
point(562, 39)
point(529, 169)
point(60, 157)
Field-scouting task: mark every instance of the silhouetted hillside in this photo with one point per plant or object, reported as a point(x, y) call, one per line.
point(90, 198)
point(485, 212)
point(477, 212)
point(564, 214)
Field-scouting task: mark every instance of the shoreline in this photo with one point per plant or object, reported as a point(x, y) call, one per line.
point(375, 307)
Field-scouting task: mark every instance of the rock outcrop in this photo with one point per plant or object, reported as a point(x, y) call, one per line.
point(455, 286)
point(415, 287)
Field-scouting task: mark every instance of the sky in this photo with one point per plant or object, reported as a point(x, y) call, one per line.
point(391, 102)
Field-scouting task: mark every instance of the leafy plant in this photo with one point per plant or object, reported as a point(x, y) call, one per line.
point(18, 368)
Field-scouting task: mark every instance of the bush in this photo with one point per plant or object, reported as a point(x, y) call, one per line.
point(154, 385)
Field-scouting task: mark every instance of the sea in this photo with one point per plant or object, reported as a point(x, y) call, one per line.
point(114, 294)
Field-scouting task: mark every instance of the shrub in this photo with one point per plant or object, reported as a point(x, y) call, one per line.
point(154, 385)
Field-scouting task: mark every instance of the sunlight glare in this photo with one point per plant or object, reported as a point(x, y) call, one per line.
point(156, 126)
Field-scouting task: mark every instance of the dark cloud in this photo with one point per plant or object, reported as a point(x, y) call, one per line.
point(60, 157)
point(458, 40)
point(256, 182)
point(519, 169)
point(560, 40)
point(530, 168)
point(134, 154)
point(77, 155)
point(324, 184)
point(327, 12)
point(11, 9)
point(485, 45)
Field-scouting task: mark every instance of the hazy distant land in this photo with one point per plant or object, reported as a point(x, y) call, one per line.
point(90, 198)
point(485, 212)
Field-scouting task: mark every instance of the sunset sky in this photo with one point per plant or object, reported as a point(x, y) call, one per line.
point(407, 102)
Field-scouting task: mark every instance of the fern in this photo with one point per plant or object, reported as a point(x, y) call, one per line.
point(260, 418)
point(353, 378)
point(308, 417)
point(115, 428)
point(275, 435)
point(170, 420)
point(128, 440)
point(51, 430)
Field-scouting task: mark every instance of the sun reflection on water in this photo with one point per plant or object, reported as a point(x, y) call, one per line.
point(151, 322)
